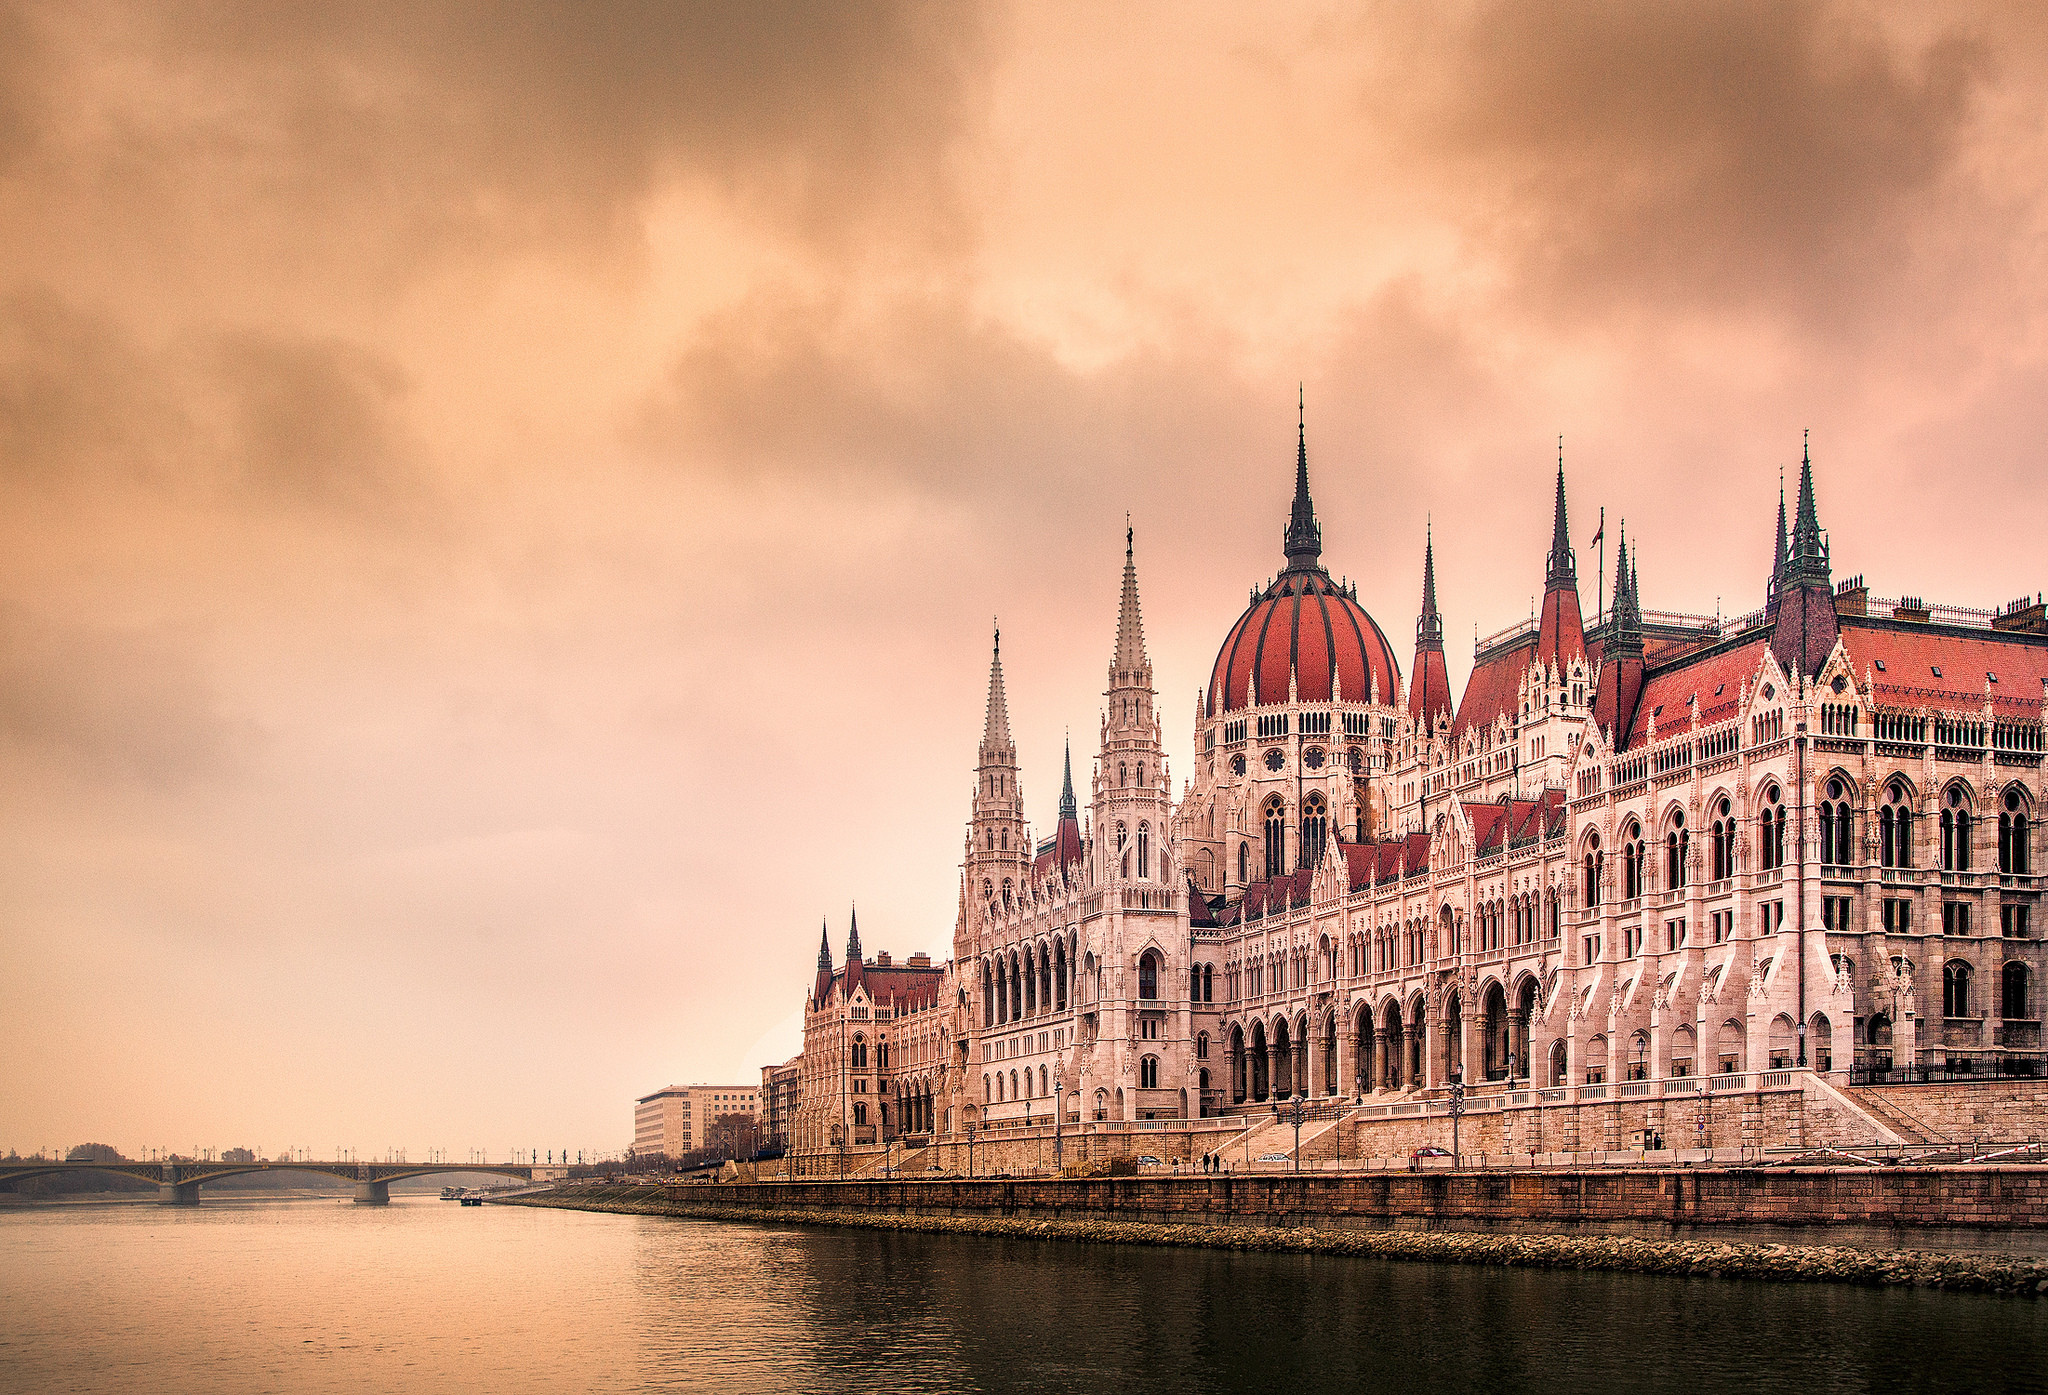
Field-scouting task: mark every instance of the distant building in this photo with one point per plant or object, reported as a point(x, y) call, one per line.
point(779, 1090)
point(677, 1119)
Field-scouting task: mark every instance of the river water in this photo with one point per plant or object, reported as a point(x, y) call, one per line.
point(319, 1295)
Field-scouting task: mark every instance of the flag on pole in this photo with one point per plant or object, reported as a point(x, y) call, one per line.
point(1601, 531)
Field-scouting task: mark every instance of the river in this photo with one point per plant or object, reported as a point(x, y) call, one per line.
point(320, 1295)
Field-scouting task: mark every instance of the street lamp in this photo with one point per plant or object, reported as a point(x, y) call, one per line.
point(1059, 1114)
point(1699, 1116)
point(972, 1125)
point(1457, 1113)
point(1294, 1112)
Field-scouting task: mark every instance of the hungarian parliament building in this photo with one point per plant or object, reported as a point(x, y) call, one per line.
point(1654, 847)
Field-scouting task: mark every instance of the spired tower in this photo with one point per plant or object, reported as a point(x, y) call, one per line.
point(998, 851)
point(1131, 803)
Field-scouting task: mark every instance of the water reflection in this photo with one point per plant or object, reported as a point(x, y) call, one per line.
point(315, 1296)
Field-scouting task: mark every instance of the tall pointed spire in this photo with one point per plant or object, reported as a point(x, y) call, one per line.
point(853, 938)
point(1807, 550)
point(1429, 681)
point(1069, 808)
point(1130, 621)
point(1304, 539)
point(1561, 565)
point(1429, 628)
point(824, 948)
point(1626, 634)
point(995, 732)
point(1778, 563)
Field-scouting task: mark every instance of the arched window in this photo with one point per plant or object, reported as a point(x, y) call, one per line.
point(1030, 982)
point(1044, 1082)
point(1244, 862)
point(1141, 774)
point(1835, 824)
point(988, 997)
point(1148, 1070)
point(1675, 847)
point(1148, 974)
point(1276, 837)
point(860, 1046)
point(1144, 850)
point(1123, 775)
point(1955, 831)
point(2012, 835)
point(1955, 989)
point(1631, 862)
point(1771, 830)
point(1895, 827)
point(1208, 983)
point(1721, 841)
point(1008, 891)
point(1314, 825)
point(1202, 1046)
point(1592, 872)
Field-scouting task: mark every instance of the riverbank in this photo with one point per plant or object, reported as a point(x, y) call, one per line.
point(1973, 1273)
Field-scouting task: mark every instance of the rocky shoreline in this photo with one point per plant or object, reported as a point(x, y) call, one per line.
point(1970, 1273)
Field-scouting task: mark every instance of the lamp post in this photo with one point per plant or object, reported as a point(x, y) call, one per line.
point(1699, 1116)
point(972, 1125)
point(1457, 1113)
point(1294, 1112)
point(1059, 1114)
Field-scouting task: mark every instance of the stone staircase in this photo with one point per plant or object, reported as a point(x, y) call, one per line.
point(1910, 1127)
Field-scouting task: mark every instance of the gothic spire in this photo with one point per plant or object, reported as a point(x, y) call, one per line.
point(1562, 567)
point(1130, 622)
point(1304, 539)
point(824, 949)
point(1069, 809)
point(995, 732)
point(1807, 552)
point(1778, 564)
point(1429, 629)
point(853, 938)
point(1627, 631)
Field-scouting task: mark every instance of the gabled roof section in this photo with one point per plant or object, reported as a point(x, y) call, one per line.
point(1715, 677)
point(1911, 653)
point(1494, 687)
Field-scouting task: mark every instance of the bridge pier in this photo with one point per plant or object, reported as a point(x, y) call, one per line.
point(177, 1193)
point(373, 1193)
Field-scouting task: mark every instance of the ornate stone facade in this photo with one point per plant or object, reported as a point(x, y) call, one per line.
point(1651, 849)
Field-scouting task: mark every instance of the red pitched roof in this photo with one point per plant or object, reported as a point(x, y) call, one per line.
point(1910, 656)
point(1717, 677)
point(1065, 850)
point(1303, 620)
point(1494, 688)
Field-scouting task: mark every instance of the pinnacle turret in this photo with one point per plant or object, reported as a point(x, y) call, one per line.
point(853, 938)
point(1561, 566)
point(1778, 561)
point(1429, 628)
point(1130, 621)
point(995, 732)
point(1807, 556)
point(1069, 808)
point(1304, 538)
point(1626, 633)
point(824, 948)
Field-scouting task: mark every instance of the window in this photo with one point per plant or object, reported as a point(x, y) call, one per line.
point(1631, 863)
point(1676, 844)
point(1208, 983)
point(2013, 919)
point(1721, 925)
point(2012, 835)
point(1144, 849)
point(1148, 974)
point(1770, 917)
point(1674, 934)
point(1244, 862)
point(1898, 916)
point(860, 1111)
point(1314, 823)
point(1631, 941)
point(1148, 1073)
point(1771, 831)
point(860, 1052)
point(1955, 832)
point(1591, 872)
point(1895, 827)
point(1835, 825)
point(2012, 993)
point(1148, 1028)
point(1955, 917)
point(1276, 838)
point(1834, 913)
point(1955, 989)
point(1721, 842)
point(1202, 1047)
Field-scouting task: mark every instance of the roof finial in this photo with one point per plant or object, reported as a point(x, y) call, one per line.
point(1303, 541)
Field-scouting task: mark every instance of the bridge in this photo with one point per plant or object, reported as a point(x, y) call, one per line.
point(178, 1182)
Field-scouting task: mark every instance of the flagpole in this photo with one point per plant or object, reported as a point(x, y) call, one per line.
point(1600, 569)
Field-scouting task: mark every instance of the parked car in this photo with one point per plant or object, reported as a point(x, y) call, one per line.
point(1274, 1157)
point(1147, 1160)
point(1421, 1153)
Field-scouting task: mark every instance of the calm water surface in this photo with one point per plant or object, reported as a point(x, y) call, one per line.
point(426, 1295)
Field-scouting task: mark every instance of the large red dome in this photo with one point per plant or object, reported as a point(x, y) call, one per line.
point(1307, 623)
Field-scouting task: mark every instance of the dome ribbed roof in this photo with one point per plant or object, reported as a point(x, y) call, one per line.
point(1304, 623)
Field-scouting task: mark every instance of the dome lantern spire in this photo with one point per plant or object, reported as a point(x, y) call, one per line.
point(1304, 538)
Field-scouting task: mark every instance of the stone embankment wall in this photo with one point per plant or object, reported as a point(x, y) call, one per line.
point(1994, 1197)
point(2005, 1109)
point(1794, 1263)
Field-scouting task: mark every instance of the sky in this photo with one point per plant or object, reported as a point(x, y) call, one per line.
point(505, 505)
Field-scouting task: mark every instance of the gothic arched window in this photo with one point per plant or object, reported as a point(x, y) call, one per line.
point(1631, 862)
point(2012, 835)
point(1771, 831)
point(1955, 989)
point(1835, 824)
point(1276, 838)
point(1315, 823)
point(1144, 850)
point(1955, 832)
point(1895, 827)
point(1148, 1068)
point(1676, 842)
point(1721, 840)
point(1244, 862)
point(1148, 974)
point(860, 1046)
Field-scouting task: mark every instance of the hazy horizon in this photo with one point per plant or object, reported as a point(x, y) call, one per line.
point(506, 505)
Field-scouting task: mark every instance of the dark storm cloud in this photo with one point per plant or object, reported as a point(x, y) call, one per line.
point(264, 417)
point(1709, 155)
point(427, 127)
